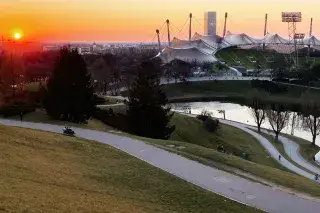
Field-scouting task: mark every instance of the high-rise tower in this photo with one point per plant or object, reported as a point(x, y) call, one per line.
point(210, 23)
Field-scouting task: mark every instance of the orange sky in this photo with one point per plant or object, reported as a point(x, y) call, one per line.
point(136, 20)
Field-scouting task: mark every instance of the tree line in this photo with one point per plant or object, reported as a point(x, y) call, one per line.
point(278, 115)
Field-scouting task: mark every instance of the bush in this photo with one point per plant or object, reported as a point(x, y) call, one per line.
point(205, 114)
point(202, 117)
point(211, 124)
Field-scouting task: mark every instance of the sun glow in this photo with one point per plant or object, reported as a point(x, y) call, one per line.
point(17, 36)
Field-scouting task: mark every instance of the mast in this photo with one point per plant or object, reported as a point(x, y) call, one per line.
point(311, 23)
point(225, 25)
point(190, 16)
point(265, 29)
point(265, 25)
point(159, 44)
point(168, 29)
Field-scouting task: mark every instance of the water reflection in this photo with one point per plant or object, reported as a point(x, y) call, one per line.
point(236, 112)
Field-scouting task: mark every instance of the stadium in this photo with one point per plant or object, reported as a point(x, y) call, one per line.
point(244, 50)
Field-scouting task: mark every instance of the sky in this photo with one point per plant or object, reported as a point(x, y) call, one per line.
point(137, 20)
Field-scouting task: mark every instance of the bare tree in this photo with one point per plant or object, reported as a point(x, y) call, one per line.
point(258, 112)
point(278, 118)
point(311, 119)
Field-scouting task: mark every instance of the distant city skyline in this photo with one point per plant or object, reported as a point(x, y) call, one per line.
point(136, 21)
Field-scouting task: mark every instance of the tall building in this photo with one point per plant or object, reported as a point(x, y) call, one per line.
point(210, 23)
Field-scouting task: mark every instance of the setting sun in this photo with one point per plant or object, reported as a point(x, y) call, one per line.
point(17, 36)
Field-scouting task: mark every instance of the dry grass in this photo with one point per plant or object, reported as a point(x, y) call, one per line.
point(45, 172)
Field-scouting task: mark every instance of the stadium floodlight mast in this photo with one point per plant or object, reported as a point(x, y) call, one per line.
point(292, 18)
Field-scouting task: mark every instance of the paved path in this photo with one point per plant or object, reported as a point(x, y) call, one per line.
point(274, 153)
point(292, 150)
point(220, 182)
point(271, 149)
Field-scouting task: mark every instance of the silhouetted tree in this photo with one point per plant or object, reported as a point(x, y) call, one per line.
point(258, 111)
point(176, 69)
point(311, 116)
point(69, 94)
point(278, 118)
point(147, 112)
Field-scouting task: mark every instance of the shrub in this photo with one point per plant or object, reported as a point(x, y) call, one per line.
point(211, 124)
point(205, 114)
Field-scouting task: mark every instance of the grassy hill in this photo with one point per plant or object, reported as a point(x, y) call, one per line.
point(48, 172)
point(236, 141)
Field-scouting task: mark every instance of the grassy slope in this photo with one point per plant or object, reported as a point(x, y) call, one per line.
point(197, 144)
point(279, 146)
point(221, 89)
point(191, 130)
point(210, 156)
point(54, 173)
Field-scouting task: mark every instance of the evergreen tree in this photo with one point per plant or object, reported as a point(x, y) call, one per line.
point(69, 94)
point(147, 112)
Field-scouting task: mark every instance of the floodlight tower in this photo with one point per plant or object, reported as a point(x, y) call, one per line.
point(292, 18)
point(190, 16)
point(225, 25)
point(168, 29)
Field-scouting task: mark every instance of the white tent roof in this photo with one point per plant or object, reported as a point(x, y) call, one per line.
point(239, 39)
point(311, 41)
point(284, 48)
point(274, 39)
point(199, 44)
point(186, 54)
point(212, 40)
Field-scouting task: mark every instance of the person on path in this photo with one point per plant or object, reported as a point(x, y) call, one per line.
point(316, 177)
point(21, 116)
point(279, 157)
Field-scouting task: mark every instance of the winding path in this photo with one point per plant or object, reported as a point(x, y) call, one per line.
point(274, 153)
point(217, 181)
point(292, 150)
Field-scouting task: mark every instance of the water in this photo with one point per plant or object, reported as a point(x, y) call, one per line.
point(236, 112)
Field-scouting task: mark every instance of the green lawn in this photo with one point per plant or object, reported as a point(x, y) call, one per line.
point(279, 146)
point(214, 158)
point(48, 172)
point(191, 130)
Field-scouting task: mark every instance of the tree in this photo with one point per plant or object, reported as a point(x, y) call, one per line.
point(311, 117)
point(279, 67)
point(69, 94)
point(147, 112)
point(221, 67)
point(278, 118)
point(11, 72)
point(258, 112)
point(176, 69)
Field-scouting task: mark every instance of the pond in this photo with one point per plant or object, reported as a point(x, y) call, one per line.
point(236, 112)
